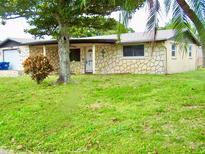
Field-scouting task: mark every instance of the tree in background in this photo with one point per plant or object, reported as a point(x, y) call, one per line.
point(59, 17)
point(87, 32)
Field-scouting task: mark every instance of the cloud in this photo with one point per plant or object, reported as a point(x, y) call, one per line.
point(14, 28)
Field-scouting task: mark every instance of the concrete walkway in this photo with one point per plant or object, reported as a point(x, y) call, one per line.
point(2, 151)
point(10, 73)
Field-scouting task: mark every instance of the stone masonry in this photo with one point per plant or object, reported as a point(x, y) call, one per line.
point(109, 59)
point(52, 55)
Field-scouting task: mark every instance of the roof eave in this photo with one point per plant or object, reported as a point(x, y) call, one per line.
point(9, 39)
point(73, 41)
point(143, 41)
point(192, 35)
point(41, 43)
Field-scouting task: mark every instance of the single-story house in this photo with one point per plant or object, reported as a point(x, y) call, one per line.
point(107, 54)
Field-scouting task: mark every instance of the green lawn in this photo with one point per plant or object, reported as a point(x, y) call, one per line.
point(105, 114)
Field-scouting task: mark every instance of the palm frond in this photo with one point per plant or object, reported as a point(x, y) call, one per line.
point(181, 23)
point(196, 11)
point(198, 6)
point(152, 23)
point(168, 4)
point(126, 14)
point(154, 11)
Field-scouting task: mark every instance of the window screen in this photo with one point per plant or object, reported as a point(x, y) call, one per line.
point(133, 51)
point(173, 50)
point(190, 51)
point(74, 54)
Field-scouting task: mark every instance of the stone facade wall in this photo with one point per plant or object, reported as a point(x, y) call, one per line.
point(109, 59)
point(52, 55)
point(36, 50)
point(79, 67)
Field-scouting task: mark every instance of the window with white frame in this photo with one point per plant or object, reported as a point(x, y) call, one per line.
point(133, 51)
point(173, 50)
point(190, 50)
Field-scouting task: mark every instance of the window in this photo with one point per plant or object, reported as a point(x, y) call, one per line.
point(133, 51)
point(190, 51)
point(74, 54)
point(173, 50)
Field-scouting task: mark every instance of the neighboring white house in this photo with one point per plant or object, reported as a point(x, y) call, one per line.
point(14, 50)
point(107, 55)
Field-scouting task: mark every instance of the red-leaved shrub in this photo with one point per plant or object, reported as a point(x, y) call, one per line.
point(38, 67)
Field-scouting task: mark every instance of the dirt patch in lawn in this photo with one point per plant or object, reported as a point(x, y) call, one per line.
point(193, 106)
point(96, 106)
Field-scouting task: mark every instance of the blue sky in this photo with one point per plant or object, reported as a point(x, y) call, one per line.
point(15, 28)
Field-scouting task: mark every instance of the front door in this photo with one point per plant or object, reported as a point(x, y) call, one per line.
point(89, 61)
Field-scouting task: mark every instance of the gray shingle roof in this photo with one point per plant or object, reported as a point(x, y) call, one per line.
point(21, 40)
point(18, 40)
point(24, 41)
point(162, 35)
point(138, 37)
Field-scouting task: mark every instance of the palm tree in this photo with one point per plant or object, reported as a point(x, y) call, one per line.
point(184, 14)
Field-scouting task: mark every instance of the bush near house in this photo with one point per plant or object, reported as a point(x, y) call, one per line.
point(38, 67)
point(114, 114)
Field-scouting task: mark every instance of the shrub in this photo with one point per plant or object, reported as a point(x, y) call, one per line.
point(38, 67)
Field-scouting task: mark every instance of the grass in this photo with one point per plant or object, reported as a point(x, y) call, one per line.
point(105, 114)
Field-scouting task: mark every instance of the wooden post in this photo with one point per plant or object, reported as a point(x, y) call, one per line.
point(94, 48)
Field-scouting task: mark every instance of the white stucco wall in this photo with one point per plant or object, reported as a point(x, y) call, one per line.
point(200, 57)
point(181, 62)
point(23, 51)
